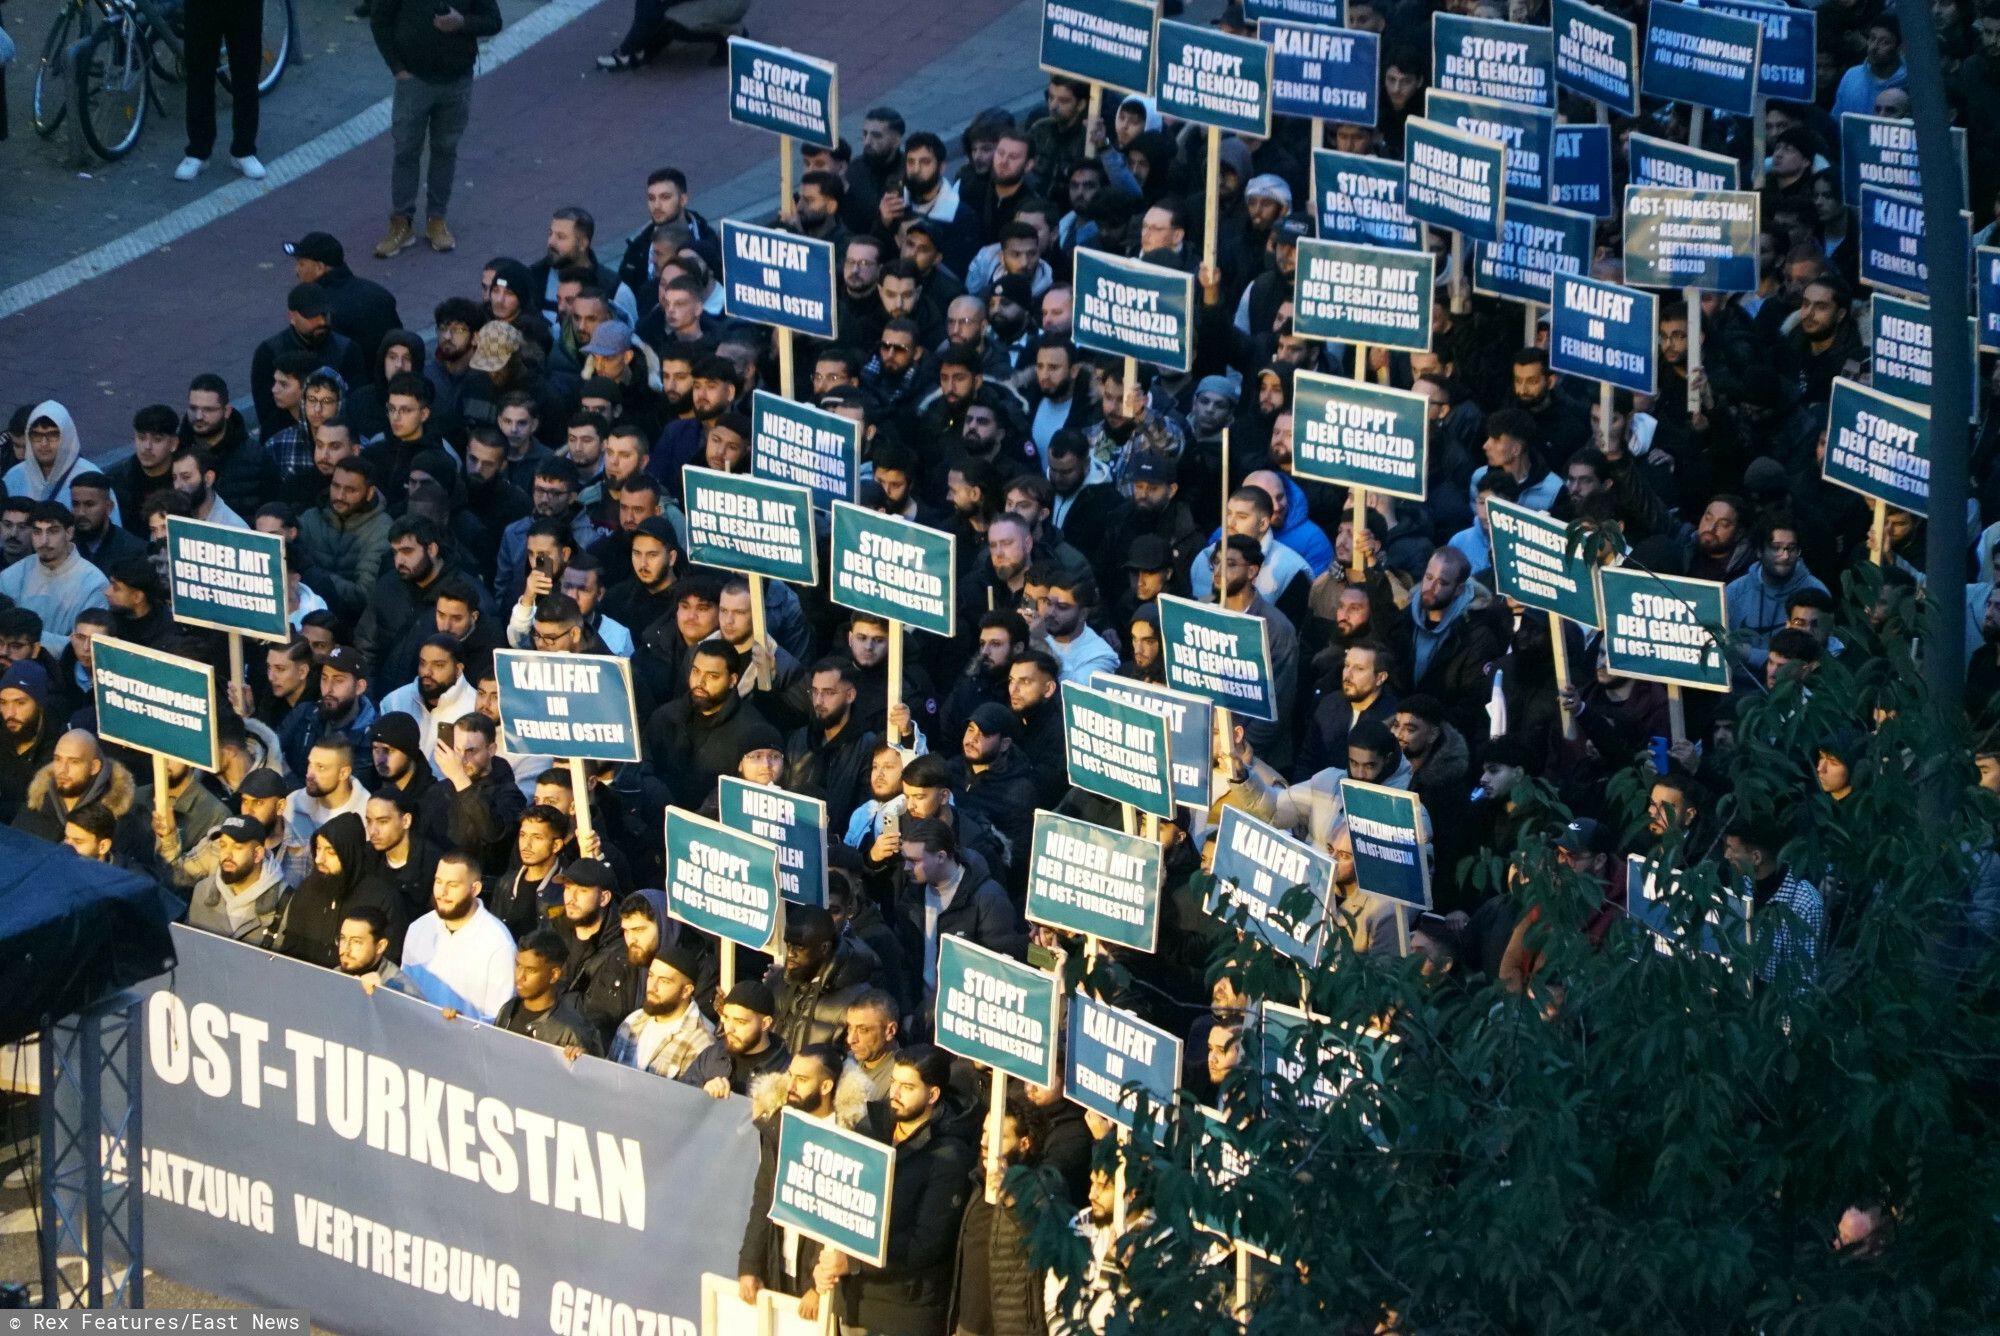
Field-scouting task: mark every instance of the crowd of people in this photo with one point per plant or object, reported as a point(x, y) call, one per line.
point(516, 481)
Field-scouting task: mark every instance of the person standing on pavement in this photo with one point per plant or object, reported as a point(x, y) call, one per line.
point(210, 23)
point(431, 49)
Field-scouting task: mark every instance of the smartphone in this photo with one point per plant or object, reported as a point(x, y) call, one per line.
point(540, 562)
point(447, 732)
point(892, 824)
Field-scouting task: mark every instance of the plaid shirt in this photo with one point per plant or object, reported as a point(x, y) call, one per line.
point(291, 450)
point(1793, 940)
point(666, 1056)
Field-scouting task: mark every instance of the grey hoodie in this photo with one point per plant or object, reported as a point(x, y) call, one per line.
point(28, 478)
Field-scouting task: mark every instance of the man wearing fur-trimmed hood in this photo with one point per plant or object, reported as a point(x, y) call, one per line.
point(773, 1256)
point(78, 773)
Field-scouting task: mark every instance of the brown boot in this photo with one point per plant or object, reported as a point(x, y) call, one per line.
point(400, 238)
point(439, 235)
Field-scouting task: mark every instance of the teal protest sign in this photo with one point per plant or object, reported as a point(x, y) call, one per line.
point(1664, 628)
point(1533, 564)
point(1879, 446)
point(1088, 879)
point(1360, 199)
point(1527, 133)
point(1364, 294)
point(1881, 151)
point(1115, 1060)
point(1115, 750)
point(722, 881)
point(1359, 435)
point(893, 568)
point(742, 523)
point(1899, 352)
point(576, 706)
point(771, 88)
point(1129, 308)
point(1213, 78)
point(1326, 13)
point(156, 702)
point(778, 278)
point(791, 822)
point(1539, 243)
point(1454, 181)
point(1327, 1065)
point(1386, 827)
point(1701, 56)
point(1100, 41)
point(834, 1185)
point(1256, 867)
point(1597, 55)
point(805, 446)
point(228, 579)
point(1661, 162)
point(1691, 238)
point(1190, 726)
point(1986, 269)
point(1219, 1161)
point(996, 1011)
point(1320, 73)
point(1604, 332)
point(1508, 62)
point(1222, 656)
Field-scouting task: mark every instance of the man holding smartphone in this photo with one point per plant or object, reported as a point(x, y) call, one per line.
point(431, 47)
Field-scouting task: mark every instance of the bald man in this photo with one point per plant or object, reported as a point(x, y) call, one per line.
point(78, 773)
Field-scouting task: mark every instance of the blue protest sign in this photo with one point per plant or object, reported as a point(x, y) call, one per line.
point(574, 706)
point(1115, 750)
point(1597, 55)
point(1129, 308)
point(1386, 827)
point(1189, 731)
point(1664, 628)
point(778, 278)
point(1899, 352)
point(791, 822)
point(227, 579)
point(1454, 181)
point(1222, 656)
point(1581, 179)
point(1100, 41)
point(1691, 238)
point(479, 1181)
point(737, 522)
point(1364, 294)
point(1882, 151)
point(1661, 162)
point(1255, 867)
point(1986, 279)
point(1529, 135)
point(805, 446)
point(157, 702)
point(1787, 57)
point(1892, 241)
point(722, 881)
point(997, 1011)
point(1213, 78)
point(1878, 446)
point(1326, 13)
point(1604, 332)
point(771, 88)
point(1540, 242)
point(1701, 56)
point(1508, 62)
point(1354, 434)
point(1088, 879)
point(1327, 74)
point(894, 568)
point(1360, 199)
point(1533, 563)
point(1115, 1060)
point(833, 1185)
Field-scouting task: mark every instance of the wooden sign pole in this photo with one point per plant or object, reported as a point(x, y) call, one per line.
point(1213, 200)
point(895, 680)
point(1560, 647)
point(996, 1115)
point(163, 802)
point(1357, 560)
point(787, 207)
point(1676, 713)
point(1092, 117)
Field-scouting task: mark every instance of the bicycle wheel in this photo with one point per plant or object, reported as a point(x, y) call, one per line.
point(48, 103)
point(113, 87)
point(280, 27)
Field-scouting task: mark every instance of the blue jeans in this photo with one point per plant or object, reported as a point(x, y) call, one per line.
point(423, 110)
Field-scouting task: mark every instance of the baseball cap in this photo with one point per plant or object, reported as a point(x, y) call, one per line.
point(995, 721)
point(1149, 552)
point(592, 872)
point(346, 659)
point(752, 995)
point(1149, 467)
point(264, 783)
point(1584, 836)
point(925, 226)
point(1291, 231)
point(321, 246)
point(613, 337)
point(496, 343)
point(243, 829)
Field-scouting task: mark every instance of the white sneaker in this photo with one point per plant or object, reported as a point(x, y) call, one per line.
point(189, 169)
point(250, 167)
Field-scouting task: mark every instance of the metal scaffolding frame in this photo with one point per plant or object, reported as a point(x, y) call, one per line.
point(92, 1150)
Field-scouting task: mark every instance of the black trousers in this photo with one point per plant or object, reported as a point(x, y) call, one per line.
point(210, 23)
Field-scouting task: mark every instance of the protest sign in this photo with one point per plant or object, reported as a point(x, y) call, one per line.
point(1213, 78)
point(1986, 278)
point(833, 1185)
point(1664, 628)
point(1892, 241)
point(1882, 151)
point(771, 88)
point(1691, 238)
point(576, 706)
point(1581, 176)
point(1359, 435)
point(791, 822)
point(1360, 199)
point(1115, 750)
point(1364, 294)
point(1326, 74)
point(1787, 62)
point(1508, 62)
point(228, 579)
point(805, 446)
point(1386, 827)
point(1326, 13)
point(1899, 352)
point(1603, 332)
point(1453, 180)
point(1878, 446)
point(1527, 133)
point(1256, 866)
point(1538, 243)
point(1190, 725)
point(1115, 1060)
point(159, 703)
point(1092, 880)
point(722, 881)
point(1294, 1044)
point(1218, 1161)
point(1597, 55)
point(1533, 564)
point(778, 278)
point(1129, 308)
point(1222, 656)
point(893, 568)
point(1701, 56)
point(1648, 898)
point(996, 1011)
point(1107, 42)
point(1661, 162)
point(742, 523)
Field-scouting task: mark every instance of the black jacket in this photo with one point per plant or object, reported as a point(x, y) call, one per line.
point(561, 1025)
point(815, 1012)
point(1011, 1296)
point(408, 40)
point(480, 820)
point(363, 310)
point(1003, 796)
point(597, 980)
point(835, 771)
point(932, 1182)
point(337, 351)
point(308, 926)
point(689, 749)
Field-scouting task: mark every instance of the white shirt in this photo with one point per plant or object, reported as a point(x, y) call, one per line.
point(305, 814)
point(454, 705)
point(471, 970)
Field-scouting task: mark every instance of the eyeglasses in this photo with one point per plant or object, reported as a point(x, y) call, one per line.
point(889, 347)
point(550, 638)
